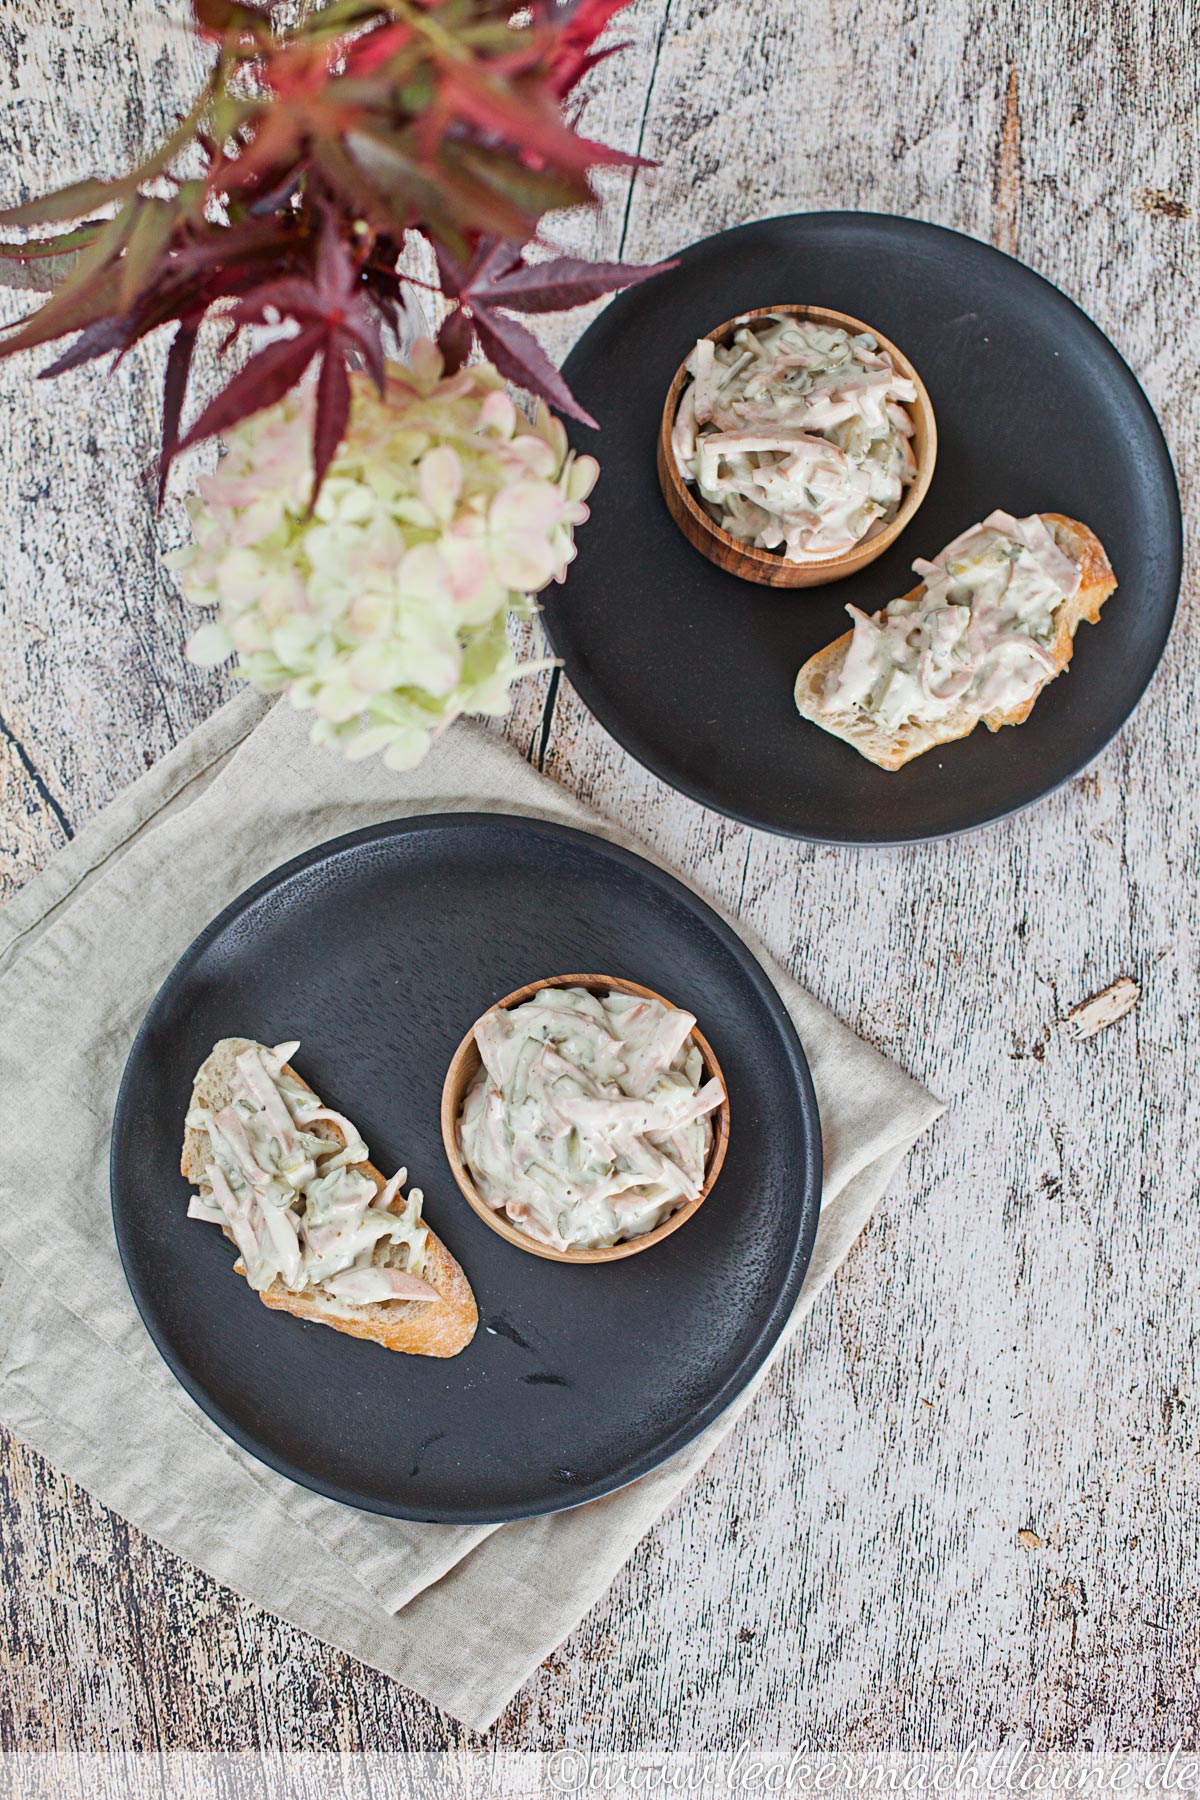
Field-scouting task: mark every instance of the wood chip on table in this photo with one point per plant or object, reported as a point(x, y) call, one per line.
point(1092, 1016)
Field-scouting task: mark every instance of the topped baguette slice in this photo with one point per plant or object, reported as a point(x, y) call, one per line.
point(440, 1326)
point(892, 744)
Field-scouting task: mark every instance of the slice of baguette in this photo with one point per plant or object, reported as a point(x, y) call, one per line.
point(440, 1327)
point(891, 749)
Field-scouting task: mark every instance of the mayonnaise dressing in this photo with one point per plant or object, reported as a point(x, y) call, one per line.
point(297, 1202)
point(588, 1122)
point(795, 435)
point(980, 635)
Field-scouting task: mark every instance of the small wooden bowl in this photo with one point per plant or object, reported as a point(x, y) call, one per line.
point(768, 566)
point(465, 1064)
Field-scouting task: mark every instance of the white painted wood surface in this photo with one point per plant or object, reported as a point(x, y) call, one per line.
point(965, 1506)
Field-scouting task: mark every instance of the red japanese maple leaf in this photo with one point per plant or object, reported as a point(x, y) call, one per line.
point(498, 281)
point(323, 144)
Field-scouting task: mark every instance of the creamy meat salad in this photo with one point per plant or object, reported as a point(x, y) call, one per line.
point(980, 635)
point(588, 1122)
point(300, 1208)
point(796, 435)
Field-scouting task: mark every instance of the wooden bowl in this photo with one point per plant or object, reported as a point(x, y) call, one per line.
point(769, 566)
point(464, 1066)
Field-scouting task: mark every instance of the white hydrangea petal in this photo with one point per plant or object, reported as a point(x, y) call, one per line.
point(303, 691)
point(376, 668)
point(293, 639)
point(550, 428)
point(209, 645)
point(431, 654)
point(407, 750)
point(240, 574)
point(261, 519)
point(248, 631)
point(371, 741)
point(338, 700)
point(383, 613)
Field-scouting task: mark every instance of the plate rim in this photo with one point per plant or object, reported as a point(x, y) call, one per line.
point(809, 1188)
point(586, 689)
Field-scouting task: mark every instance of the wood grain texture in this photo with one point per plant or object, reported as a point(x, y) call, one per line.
point(964, 1506)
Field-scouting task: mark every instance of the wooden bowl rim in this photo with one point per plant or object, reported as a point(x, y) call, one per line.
point(462, 1070)
point(771, 560)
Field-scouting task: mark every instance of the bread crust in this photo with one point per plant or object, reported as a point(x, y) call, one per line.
point(890, 750)
point(439, 1327)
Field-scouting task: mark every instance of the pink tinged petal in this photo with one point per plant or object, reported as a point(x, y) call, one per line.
point(281, 595)
point(423, 575)
point(526, 566)
point(468, 571)
point(370, 614)
point(257, 521)
point(498, 415)
point(526, 507)
point(538, 456)
point(210, 488)
point(383, 550)
point(248, 632)
point(440, 481)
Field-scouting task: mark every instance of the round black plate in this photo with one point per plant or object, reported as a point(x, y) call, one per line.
point(378, 951)
point(692, 670)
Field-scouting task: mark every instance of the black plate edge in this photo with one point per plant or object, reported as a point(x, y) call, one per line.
point(810, 1199)
point(586, 441)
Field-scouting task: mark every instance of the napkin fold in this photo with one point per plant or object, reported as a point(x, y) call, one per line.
point(462, 1614)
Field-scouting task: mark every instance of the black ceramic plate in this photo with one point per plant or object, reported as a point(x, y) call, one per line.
point(692, 670)
point(378, 951)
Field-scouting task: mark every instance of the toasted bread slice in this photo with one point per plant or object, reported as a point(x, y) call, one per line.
point(439, 1327)
point(891, 749)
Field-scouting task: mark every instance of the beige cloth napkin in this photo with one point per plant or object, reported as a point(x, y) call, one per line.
point(463, 1614)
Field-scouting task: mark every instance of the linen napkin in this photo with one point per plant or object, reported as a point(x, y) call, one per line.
point(461, 1614)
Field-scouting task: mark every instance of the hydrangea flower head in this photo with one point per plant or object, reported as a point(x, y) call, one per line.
point(383, 610)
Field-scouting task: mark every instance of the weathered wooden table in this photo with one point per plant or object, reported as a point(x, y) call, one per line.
point(964, 1507)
